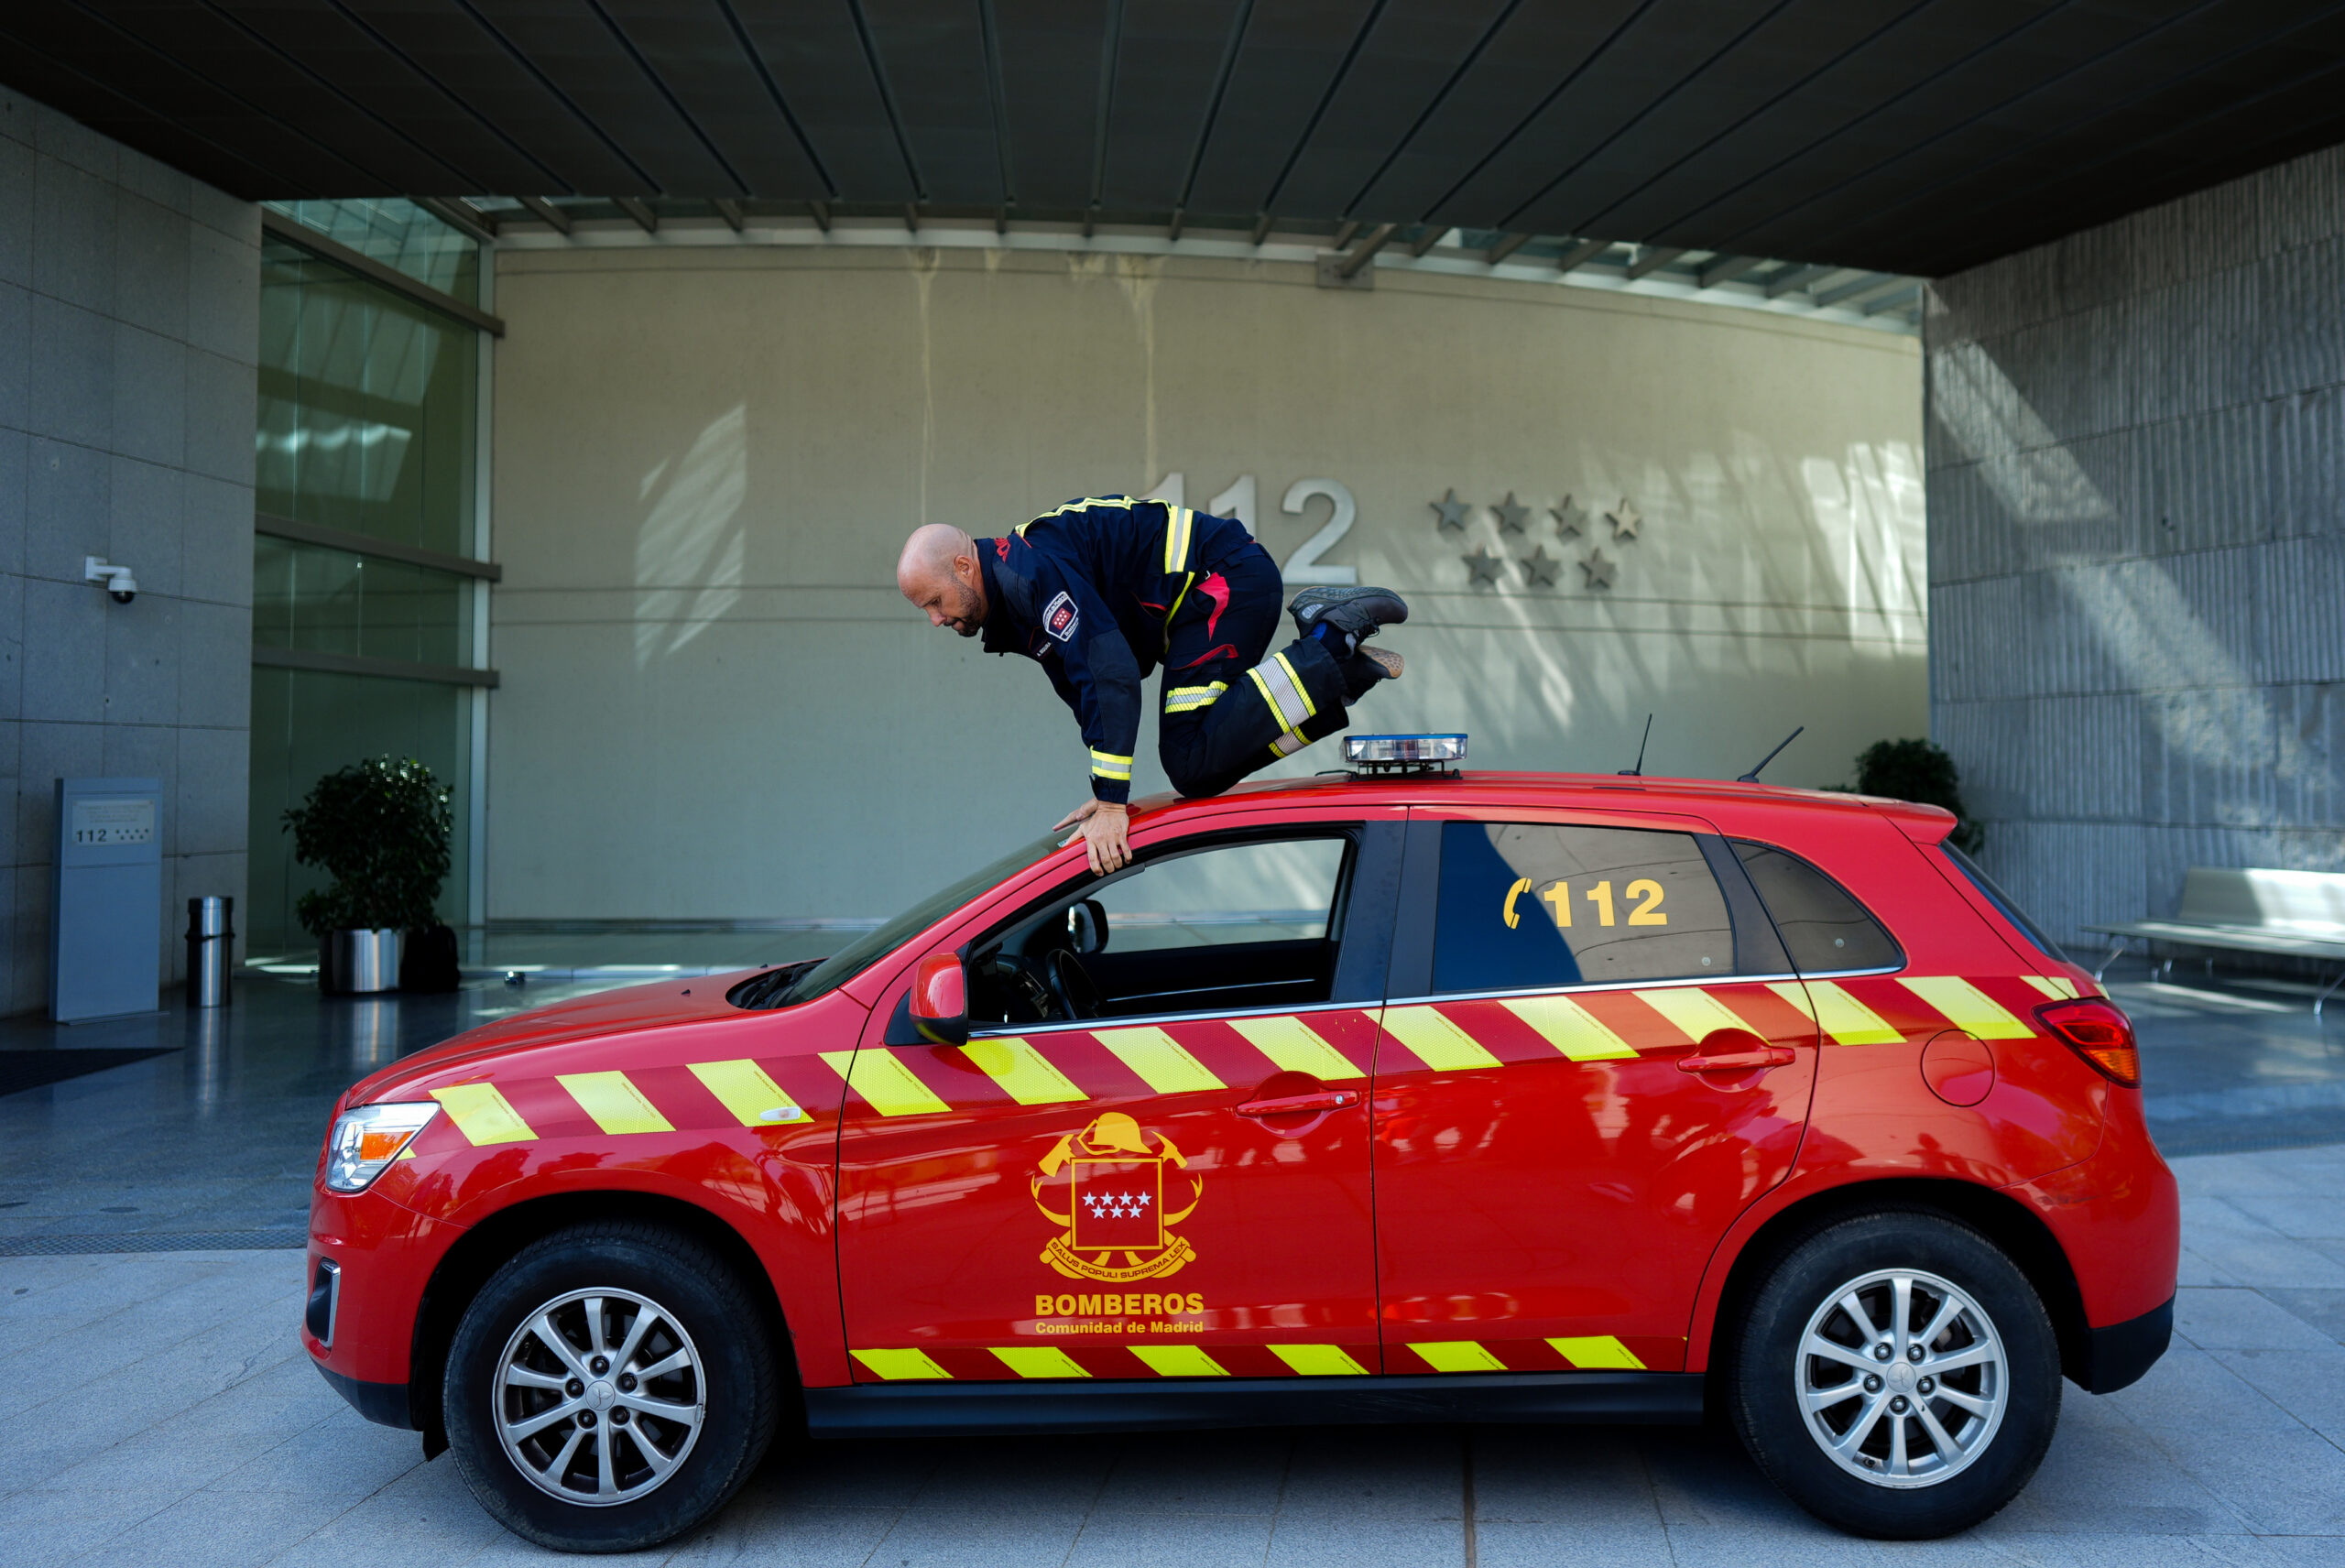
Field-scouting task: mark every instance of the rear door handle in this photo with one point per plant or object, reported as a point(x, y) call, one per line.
point(1738, 1061)
point(1300, 1105)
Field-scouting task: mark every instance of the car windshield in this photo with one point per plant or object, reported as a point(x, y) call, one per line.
point(861, 954)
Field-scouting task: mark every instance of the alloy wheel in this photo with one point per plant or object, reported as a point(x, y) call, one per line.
point(1902, 1377)
point(599, 1396)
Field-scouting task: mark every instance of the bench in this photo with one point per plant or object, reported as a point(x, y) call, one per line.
point(2291, 914)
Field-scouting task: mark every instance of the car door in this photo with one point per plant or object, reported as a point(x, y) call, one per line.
point(1177, 1187)
point(1594, 1059)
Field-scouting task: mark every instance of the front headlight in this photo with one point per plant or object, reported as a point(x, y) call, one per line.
point(364, 1141)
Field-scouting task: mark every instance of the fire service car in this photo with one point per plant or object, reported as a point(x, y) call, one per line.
point(1404, 1094)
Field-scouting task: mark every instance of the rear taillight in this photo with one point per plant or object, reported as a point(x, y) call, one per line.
point(2100, 1033)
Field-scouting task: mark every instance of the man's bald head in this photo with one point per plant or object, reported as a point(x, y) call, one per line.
point(939, 573)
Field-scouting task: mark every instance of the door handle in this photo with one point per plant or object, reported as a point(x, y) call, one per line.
point(1739, 1061)
point(1300, 1105)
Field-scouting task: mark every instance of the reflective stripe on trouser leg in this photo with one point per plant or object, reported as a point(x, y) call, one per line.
point(1189, 699)
point(1283, 694)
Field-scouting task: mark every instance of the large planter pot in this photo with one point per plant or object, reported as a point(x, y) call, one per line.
point(359, 962)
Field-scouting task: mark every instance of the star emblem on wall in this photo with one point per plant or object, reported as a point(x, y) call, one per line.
point(1449, 510)
point(1599, 570)
point(1569, 518)
point(1625, 519)
point(1539, 568)
point(1482, 567)
point(1512, 515)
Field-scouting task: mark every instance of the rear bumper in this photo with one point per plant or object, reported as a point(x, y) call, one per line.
point(2115, 1358)
point(382, 1403)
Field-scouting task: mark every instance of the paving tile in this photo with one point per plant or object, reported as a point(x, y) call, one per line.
point(2186, 1385)
point(770, 1534)
point(924, 1537)
point(1561, 1544)
point(846, 1475)
point(1186, 1540)
point(2270, 1258)
point(2240, 1320)
point(1196, 1472)
point(1392, 1473)
point(427, 1512)
point(2309, 1385)
point(1562, 1475)
point(213, 1529)
point(2195, 1268)
point(1055, 1475)
point(2282, 1483)
point(2307, 1218)
point(2324, 1309)
point(1350, 1541)
point(2107, 1475)
point(43, 1527)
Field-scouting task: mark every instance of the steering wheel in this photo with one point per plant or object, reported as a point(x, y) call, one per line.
point(1030, 983)
point(1071, 984)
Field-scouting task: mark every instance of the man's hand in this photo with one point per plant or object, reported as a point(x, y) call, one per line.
point(1105, 831)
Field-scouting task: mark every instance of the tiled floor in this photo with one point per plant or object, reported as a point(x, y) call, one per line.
point(156, 1410)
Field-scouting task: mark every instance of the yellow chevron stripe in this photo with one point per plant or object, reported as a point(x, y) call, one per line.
point(1841, 1017)
point(1457, 1355)
point(1040, 1361)
point(1318, 1360)
point(2059, 987)
point(1438, 1042)
point(614, 1101)
point(1295, 1047)
point(1025, 1074)
point(893, 1364)
point(1162, 1062)
point(743, 1088)
point(1595, 1351)
point(1179, 1361)
point(1570, 1028)
point(1694, 1010)
point(1968, 1007)
point(886, 1084)
point(483, 1115)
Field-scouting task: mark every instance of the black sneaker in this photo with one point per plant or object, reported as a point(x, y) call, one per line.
point(1366, 668)
point(1356, 611)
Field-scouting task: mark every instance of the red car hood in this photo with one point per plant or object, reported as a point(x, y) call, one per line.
point(660, 1005)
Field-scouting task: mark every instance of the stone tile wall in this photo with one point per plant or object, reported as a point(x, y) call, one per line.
point(2136, 483)
point(129, 303)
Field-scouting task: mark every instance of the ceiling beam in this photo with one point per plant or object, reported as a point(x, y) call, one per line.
point(645, 218)
point(1580, 255)
point(546, 212)
point(1651, 258)
point(1366, 250)
point(1505, 248)
point(728, 209)
point(1426, 241)
point(1727, 268)
point(821, 213)
point(1795, 278)
point(1858, 290)
point(1895, 299)
point(461, 215)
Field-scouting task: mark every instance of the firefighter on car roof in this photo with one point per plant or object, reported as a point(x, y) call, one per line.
point(1101, 591)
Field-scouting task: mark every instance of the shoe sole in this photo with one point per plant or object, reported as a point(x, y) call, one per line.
point(1392, 662)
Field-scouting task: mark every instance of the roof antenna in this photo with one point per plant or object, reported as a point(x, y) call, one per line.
point(1752, 776)
point(1639, 771)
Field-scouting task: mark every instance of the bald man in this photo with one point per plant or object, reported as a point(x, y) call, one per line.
point(1100, 591)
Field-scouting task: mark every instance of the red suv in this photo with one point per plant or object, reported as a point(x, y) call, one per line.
point(1498, 1097)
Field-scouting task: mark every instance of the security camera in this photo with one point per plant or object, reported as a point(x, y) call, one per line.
point(117, 578)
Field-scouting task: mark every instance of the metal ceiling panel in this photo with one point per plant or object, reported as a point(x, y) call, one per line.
point(694, 49)
point(817, 58)
point(1169, 67)
point(1050, 65)
point(1291, 52)
point(935, 58)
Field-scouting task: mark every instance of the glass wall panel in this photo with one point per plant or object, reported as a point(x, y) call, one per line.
point(368, 407)
point(398, 234)
point(306, 724)
point(317, 600)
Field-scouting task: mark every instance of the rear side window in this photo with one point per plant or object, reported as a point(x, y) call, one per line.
point(1822, 924)
point(2003, 904)
point(1529, 905)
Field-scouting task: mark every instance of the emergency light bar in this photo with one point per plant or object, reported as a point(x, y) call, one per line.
point(1380, 754)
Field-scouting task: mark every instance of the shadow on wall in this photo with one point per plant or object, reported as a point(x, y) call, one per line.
point(691, 550)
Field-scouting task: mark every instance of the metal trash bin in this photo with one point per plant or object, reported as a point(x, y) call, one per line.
point(211, 950)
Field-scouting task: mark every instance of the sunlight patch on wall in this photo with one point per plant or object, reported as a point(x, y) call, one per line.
point(691, 553)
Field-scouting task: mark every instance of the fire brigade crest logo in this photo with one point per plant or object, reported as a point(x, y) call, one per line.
point(1122, 1198)
point(1059, 617)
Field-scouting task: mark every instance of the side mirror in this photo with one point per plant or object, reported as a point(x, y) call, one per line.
point(1087, 927)
point(940, 1000)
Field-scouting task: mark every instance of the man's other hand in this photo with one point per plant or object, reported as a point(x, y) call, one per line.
point(1105, 834)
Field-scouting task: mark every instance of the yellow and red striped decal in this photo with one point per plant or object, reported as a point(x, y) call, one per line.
point(1168, 1358)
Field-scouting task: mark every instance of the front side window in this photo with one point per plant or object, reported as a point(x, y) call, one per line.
point(1524, 905)
point(1822, 926)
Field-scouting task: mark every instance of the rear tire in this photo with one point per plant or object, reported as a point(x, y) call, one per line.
point(1943, 1413)
point(609, 1388)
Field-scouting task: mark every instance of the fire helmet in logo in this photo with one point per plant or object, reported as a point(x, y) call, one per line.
point(1113, 1186)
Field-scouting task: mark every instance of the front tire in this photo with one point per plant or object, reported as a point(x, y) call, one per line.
point(1897, 1376)
point(609, 1388)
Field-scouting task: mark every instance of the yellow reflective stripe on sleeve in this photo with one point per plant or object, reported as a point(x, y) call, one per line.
point(615, 1102)
point(1180, 522)
point(1295, 1047)
point(483, 1115)
point(743, 1088)
point(1843, 1019)
point(1570, 1028)
point(1694, 1010)
point(1038, 1361)
point(1179, 1361)
point(1162, 1062)
point(893, 1364)
point(1318, 1360)
point(1966, 1006)
point(1025, 1074)
point(1439, 1043)
point(1107, 765)
point(885, 1084)
point(1288, 744)
point(2059, 987)
point(1188, 699)
point(1595, 1351)
point(1457, 1355)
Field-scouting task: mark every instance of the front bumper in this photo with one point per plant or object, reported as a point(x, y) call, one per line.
point(386, 1404)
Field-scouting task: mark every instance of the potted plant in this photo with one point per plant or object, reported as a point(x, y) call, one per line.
point(379, 828)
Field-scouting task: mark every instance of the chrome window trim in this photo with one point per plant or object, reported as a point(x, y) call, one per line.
point(1678, 984)
point(1084, 1025)
point(1860, 973)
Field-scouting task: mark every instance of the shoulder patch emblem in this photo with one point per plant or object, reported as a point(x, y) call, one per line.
point(1060, 618)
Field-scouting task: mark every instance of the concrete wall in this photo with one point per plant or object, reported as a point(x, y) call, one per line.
point(128, 338)
point(2137, 546)
point(715, 703)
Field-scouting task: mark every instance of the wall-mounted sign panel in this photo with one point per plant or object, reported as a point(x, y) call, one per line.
point(105, 920)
